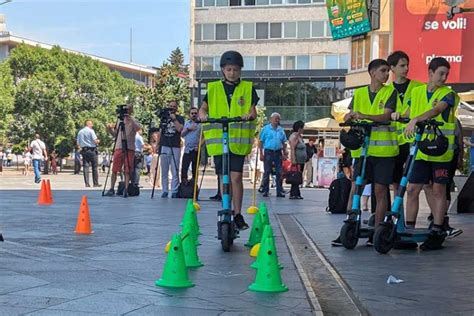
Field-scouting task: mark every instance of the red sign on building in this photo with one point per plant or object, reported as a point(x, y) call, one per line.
point(422, 30)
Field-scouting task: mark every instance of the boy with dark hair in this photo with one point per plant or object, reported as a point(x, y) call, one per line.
point(376, 102)
point(436, 101)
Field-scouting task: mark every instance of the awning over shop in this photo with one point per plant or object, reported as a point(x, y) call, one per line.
point(326, 123)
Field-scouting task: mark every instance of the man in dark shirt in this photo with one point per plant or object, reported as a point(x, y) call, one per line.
point(170, 150)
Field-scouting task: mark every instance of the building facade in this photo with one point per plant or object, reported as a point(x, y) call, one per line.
point(288, 51)
point(416, 27)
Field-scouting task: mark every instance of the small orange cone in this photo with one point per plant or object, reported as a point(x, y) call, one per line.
point(49, 194)
point(83, 225)
point(43, 194)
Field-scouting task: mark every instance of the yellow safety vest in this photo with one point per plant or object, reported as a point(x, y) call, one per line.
point(241, 135)
point(383, 139)
point(420, 104)
point(402, 109)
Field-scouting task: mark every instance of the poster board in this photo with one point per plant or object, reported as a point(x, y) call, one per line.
point(326, 171)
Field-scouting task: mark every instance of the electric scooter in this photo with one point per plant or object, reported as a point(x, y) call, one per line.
point(352, 229)
point(393, 226)
point(226, 228)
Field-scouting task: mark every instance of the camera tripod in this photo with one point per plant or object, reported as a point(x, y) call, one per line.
point(120, 124)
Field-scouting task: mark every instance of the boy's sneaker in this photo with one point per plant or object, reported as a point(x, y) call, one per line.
point(370, 241)
point(337, 242)
point(164, 195)
point(453, 232)
point(434, 242)
point(450, 231)
point(1, 237)
point(240, 222)
point(110, 192)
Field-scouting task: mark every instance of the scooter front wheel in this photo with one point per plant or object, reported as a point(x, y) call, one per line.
point(383, 239)
point(226, 237)
point(349, 235)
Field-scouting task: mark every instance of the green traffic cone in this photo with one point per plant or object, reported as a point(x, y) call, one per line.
point(189, 227)
point(267, 233)
point(256, 231)
point(190, 216)
point(175, 273)
point(263, 211)
point(190, 248)
point(268, 278)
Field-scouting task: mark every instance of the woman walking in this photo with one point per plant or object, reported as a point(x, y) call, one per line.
point(298, 156)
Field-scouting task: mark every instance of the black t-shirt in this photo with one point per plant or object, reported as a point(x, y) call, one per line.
point(229, 91)
point(310, 151)
point(170, 137)
point(401, 88)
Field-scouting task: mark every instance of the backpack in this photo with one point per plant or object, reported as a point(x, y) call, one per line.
point(186, 190)
point(339, 192)
point(133, 189)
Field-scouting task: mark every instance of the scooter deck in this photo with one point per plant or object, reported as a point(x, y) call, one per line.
point(416, 234)
point(366, 232)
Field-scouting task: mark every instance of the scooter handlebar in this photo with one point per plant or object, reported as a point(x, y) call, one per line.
point(363, 123)
point(421, 123)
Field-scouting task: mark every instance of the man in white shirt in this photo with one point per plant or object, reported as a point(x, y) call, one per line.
point(138, 162)
point(39, 154)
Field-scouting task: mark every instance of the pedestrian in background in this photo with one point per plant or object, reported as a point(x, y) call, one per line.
point(39, 154)
point(272, 142)
point(87, 140)
point(298, 156)
point(123, 157)
point(54, 162)
point(77, 159)
point(191, 133)
point(26, 161)
point(138, 162)
point(2, 156)
point(311, 150)
point(170, 152)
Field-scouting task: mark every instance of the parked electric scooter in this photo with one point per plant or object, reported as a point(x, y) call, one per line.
point(352, 230)
point(393, 226)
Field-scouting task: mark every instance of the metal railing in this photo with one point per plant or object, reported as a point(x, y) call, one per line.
point(295, 113)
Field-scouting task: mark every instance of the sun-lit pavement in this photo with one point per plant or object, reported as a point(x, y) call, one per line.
point(47, 269)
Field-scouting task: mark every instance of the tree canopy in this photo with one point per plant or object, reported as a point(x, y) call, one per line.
point(53, 92)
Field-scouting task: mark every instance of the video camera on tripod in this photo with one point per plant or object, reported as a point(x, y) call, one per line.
point(121, 111)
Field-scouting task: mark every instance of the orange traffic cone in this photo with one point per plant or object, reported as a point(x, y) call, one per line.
point(83, 225)
point(43, 194)
point(49, 194)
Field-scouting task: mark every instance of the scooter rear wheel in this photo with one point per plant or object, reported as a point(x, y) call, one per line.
point(349, 235)
point(382, 241)
point(226, 237)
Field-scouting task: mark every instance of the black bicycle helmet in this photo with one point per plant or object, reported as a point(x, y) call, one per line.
point(232, 57)
point(434, 146)
point(352, 139)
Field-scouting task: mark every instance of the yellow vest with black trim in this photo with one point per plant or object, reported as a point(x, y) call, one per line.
point(383, 139)
point(402, 108)
point(420, 104)
point(241, 134)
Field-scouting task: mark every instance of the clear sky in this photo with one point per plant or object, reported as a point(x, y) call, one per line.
point(102, 27)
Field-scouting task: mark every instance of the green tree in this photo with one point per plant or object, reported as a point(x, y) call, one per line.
point(7, 92)
point(176, 58)
point(57, 91)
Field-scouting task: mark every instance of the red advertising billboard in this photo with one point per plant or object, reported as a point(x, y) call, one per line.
point(422, 30)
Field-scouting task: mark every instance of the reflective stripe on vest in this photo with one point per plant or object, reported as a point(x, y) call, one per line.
point(383, 143)
point(241, 134)
point(384, 136)
point(421, 104)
